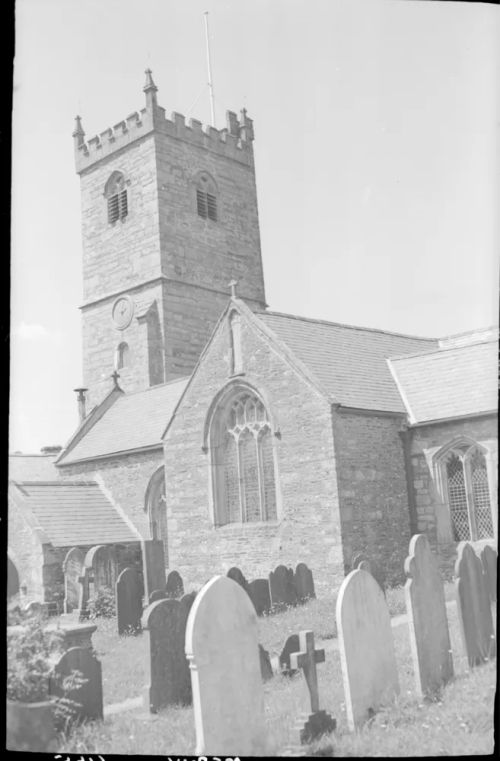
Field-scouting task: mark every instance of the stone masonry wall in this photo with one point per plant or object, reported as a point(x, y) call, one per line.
point(373, 493)
point(308, 527)
point(27, 553)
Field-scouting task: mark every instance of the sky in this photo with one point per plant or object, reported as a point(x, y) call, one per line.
point(376, 148)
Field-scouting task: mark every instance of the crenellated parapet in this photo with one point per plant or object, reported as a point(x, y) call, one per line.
point(234, 141)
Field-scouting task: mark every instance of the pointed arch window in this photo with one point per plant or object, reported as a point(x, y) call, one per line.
point(465, 477)
point(116, 194)
point(156, 507)
point(206, 197)
point(243, 462)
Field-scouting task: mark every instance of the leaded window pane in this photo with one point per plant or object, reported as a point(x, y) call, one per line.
point(231, 507)
point(481, 495)
point(457, 498)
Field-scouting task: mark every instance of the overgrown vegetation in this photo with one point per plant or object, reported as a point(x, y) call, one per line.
point(102, 604)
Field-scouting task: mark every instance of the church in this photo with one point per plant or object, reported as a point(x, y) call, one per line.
point(236, 435)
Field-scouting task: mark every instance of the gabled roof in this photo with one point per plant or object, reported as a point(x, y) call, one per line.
point(72, 512)
point(134, 421)
point(446, 383)
point(349, 362)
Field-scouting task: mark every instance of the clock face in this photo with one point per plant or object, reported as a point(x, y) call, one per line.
point(123, 311)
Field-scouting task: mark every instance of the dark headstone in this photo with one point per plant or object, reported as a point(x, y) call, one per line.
point(260, 595)
point(304, 583)
point(292, 645)
point(153, 566)
point(157, 594)
point(265, 664)
point(129, 601)
point(473, 605)
point(236, 575)
point(175, 585)
point(489, 559)
point(169, 675)
point(282, 588)
point(86, 697)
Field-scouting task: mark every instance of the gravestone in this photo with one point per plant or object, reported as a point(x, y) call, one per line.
point(236, 575)
point(175, 585)
point(129, 601)
point(292, 645)
point(169, 678)
point(12, 578)
point(489, 560)
point(260, 596)
point(222, 648)
point(473, 605)
point(282, 588)
point(366, 647)
point(318, 722)
point(72, 569)
point(102, 563)
point(427, 620)
point(266, 669)
point(153, 566)
point(88, 696)
point(304, 583)
point(157, 594)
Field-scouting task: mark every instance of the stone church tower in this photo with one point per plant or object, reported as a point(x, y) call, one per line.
point(169, 218)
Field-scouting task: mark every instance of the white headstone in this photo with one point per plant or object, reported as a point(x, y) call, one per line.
point(223, 653)
point(366, 647)
point(428, 624)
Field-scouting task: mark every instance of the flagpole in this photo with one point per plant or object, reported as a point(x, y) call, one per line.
point(210, 86)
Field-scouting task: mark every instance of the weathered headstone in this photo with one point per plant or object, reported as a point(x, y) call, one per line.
point(473, 605)
point(222, 648)
point(175, 585)
point(72, 569)
point(292, 645)
point(103, 562)
point(489, 559)
point(129, 601)
point(282, 588)
point(88, 695)
point(319, 722)
point(157, 594)
point(169, 678)
point(366, 647)
point(266, 669)
point(236, 575)
point(153, 566)
point(260, 595)
point(304, 583)
point(428, 623)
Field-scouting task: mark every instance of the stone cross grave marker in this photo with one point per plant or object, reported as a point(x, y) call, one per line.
point(318, 722)
point(175, 585)
point(282, 587)
point(304, 583)
point(169, 678)
point(87, 696)
point(427, 620)
point(366, 647)
point(153, 566)
point(72, 569)
point(128, 594)
point(222, 648)
point(489, 559)
point(292, 645)
point(473, 603)
point(260, 595)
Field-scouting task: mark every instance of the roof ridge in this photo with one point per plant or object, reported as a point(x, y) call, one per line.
point(468, 332)
point(346, 325)
point(61, 482)
point(440, 350)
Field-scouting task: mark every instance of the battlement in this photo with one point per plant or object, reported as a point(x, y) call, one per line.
point(233, 141)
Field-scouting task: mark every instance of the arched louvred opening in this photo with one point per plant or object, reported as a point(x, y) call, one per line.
point(206, 197)
point(115, 192)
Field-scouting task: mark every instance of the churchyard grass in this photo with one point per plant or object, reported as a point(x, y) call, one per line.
point(461, 723)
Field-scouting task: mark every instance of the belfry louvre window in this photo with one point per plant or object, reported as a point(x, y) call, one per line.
point(466, 478)
point(116, 195)
point(243, 457)
point(206, 198)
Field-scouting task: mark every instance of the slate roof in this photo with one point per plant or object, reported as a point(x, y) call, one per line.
point(447, 383)
point(349, 362)
point(73, 512)
point(134, 421)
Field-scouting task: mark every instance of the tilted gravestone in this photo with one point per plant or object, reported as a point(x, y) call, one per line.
point(282, 588)
point(260, 596)
point(292, 645)
point(157, 594)
point(428, 623)
point(473, 603)
point(129, 590)
point(175, 585)
point(72, 569)
point(236, 575)
point(366, 647)
point(222, 649)
point(489, 559)
point(266, 669)
point(304, 583)
point(168, 669)
point(153, 566)
point(86, 697)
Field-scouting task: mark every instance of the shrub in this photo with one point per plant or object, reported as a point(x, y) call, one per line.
point(102, 603)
